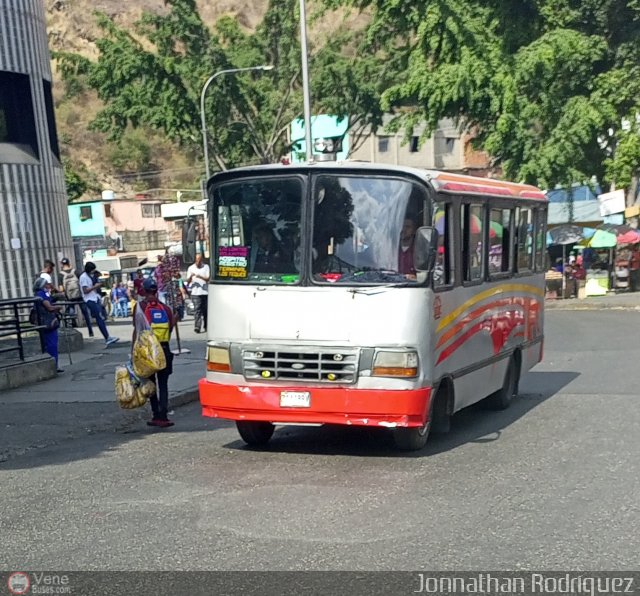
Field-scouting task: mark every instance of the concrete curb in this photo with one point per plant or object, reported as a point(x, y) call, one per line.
point(32, 370)
point(593, 306)
point(183, 398)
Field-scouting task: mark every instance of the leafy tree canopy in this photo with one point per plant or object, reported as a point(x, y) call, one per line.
point(153, 75)
point(74, 180)
point(551, 86)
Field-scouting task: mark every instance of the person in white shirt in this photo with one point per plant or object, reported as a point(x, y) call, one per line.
point(47, 270)
point(198, 277)
point(92, 298)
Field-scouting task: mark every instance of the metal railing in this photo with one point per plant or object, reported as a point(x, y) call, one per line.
point(14, 323)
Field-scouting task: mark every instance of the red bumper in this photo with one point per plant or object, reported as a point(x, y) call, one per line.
point(329, 405)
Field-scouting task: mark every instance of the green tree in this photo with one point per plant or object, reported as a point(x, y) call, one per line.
point(152, 75)
point(547, 84)
point(76, 184)
point(131, 152)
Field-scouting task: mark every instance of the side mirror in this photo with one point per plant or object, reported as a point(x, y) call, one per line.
point(425, 248)
point(188, 242)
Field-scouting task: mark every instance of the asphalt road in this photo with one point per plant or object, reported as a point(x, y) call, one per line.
point(551, 483)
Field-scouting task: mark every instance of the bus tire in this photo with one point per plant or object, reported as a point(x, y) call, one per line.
point(413, 438)
point(255, 434)
point(441, 410)
point(501, 399)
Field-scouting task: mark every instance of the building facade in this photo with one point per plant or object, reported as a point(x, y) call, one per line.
point(33, 202)
point(121, 226)
point(448, 148)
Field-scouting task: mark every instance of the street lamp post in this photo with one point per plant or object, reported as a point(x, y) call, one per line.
point(306, 95)
point(202, 96)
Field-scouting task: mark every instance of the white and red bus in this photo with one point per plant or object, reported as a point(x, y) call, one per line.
point(361, 294)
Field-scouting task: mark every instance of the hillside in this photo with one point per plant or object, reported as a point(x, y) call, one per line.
point(71, 27)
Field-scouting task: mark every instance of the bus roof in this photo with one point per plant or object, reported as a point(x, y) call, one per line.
point(457, 183)
point(446, 182)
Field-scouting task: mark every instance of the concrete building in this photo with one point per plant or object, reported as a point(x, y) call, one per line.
point(448, 148)
point(134, 226)
point(33, 200)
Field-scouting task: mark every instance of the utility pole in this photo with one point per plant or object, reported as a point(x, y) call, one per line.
point(305, 82)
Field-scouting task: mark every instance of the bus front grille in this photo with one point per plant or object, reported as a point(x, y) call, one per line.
point(319, 366)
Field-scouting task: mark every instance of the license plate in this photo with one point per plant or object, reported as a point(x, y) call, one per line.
point(295, 399)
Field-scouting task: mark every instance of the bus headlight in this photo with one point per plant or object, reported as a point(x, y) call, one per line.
point(395, 364)
point(218, 359)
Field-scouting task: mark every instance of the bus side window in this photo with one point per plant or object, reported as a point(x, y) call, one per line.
point(541, 233)
point(525, 240)
point(499, 241)
point(443, 271)
point(472, 242)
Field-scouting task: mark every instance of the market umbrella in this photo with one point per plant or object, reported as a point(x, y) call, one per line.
point(565, 234)
point(617, 229)
point(630, 237)
point(602, 239)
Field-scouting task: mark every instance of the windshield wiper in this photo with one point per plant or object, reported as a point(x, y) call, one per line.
point(379, 288)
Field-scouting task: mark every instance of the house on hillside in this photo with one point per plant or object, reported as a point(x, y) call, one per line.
point(134, 226)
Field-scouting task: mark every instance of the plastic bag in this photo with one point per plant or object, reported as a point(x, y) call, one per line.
point(125, 389)
point(147, 388)
point(132, 391)
point(148, 355)
point(137, 402)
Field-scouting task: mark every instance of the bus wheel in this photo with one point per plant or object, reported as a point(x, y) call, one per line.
point(413, 438)
point(255, 434)
point(501, 399)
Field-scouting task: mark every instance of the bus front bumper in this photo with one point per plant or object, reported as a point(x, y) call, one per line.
point(328, 405)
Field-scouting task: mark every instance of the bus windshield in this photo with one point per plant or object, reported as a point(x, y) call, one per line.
point(364, 229)
point(258, 230)
point(359, 230)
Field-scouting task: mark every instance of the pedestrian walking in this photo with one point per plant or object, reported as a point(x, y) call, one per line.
point(47, 317)
point(198, 276)
point(69, 285)
point(161, 320)
point(93, 299)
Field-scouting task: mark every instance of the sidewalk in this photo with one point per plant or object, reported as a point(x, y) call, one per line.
point(82, 400)
point(621, 301)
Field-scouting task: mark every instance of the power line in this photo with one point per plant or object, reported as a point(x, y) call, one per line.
point(151, 173)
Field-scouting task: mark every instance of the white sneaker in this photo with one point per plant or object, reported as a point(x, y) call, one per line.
point(112, 340)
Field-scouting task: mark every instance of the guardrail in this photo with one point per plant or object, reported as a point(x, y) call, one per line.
point(14, 322)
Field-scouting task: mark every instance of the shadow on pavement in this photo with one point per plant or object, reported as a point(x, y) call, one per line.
point(474, 424)
point(58, 434)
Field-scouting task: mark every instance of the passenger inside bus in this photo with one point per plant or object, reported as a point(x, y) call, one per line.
point(405, 250)
point(267, 256)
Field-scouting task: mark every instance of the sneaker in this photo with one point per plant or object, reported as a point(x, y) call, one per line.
point(59, 371)
point(165, 423)
point(154, 422)
point(112, 340)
